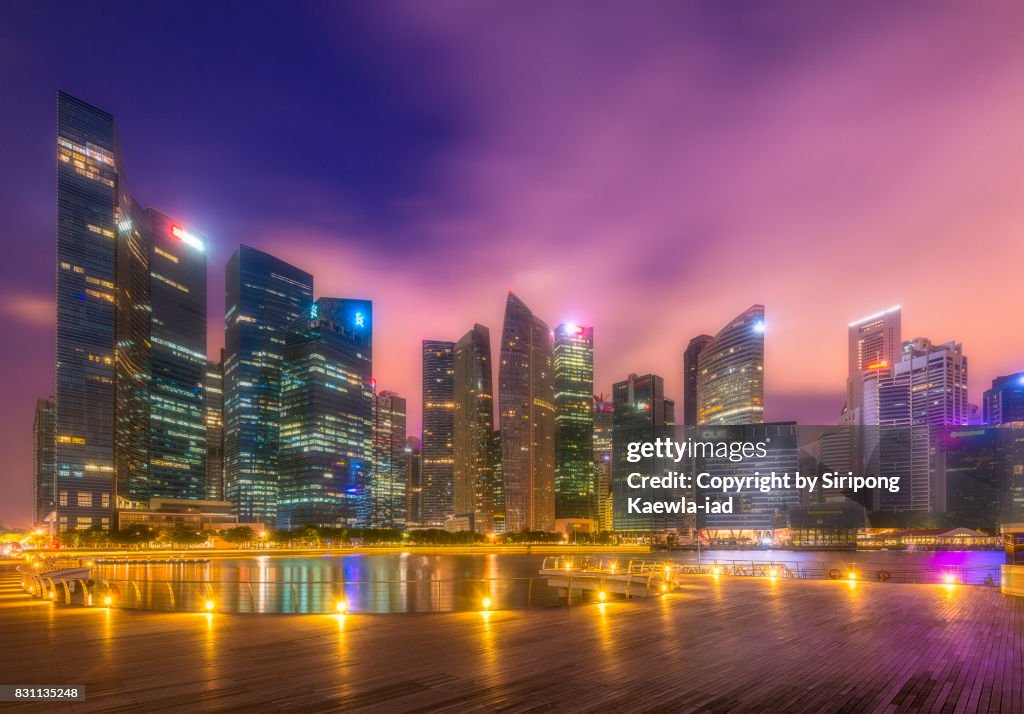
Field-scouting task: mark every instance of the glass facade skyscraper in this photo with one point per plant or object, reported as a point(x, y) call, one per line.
point(213, 393)
point(730, 372)
point(690, 372)
point(574, 421)
point(388, 486)
point(132, 378)
point(264, 296)
point(88, 176)
point(326, 417)
point(640, 413)
point(756, 515)
point(474, 474)
point(526, 404)
point(177, 363)
point(604, 425)
point(43, 488)
point(438, 431)
point(414, 481)
point(1003, 403)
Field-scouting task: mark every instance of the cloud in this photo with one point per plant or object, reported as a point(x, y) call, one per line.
point(31, 310)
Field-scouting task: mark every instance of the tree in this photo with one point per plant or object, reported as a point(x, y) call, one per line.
point(135, 534)
point(239, 535)
point(182, 536)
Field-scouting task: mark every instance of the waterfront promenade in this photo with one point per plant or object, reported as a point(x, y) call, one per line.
point(726, 645)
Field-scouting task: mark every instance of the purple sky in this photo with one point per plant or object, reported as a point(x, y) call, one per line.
point(649, 169)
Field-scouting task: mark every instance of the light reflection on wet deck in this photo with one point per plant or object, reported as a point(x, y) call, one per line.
point(718, 644)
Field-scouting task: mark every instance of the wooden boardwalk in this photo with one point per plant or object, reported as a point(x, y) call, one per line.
point(731, 645)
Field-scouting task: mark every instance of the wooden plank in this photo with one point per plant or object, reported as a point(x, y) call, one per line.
point(729, 645)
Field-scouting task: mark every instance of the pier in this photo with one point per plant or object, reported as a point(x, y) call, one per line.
point(713, 644)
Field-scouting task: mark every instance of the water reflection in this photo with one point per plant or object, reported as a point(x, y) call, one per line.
point(409, 582)
point(316, 584)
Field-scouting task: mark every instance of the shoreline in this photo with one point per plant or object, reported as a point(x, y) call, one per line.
point(542, 549)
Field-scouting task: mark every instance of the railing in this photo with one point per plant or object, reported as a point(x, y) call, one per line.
point(811, 570)
point(299, 597)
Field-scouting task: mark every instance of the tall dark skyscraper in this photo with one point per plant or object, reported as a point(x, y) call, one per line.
point(326, 417)
point(214, 407)
point(88, 197)
point(604, 425)
point(414, 481)
point(132, 357)
point(438, 431)
point(474, 474)
point(574, 421)
point(1004, 402)
point(526, 403)
point(264, 297)
point(388, 486)
point(690, 371)
point(43, 489)
point(984, 474)
point(177, 419)
point(756, 515)
point(730, 372)
point(641, 413)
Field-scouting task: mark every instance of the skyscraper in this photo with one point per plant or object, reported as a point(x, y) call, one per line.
point(690, 372)
point(177, 363)
point(641, 413)
point(917, 397)
point(264, 297)
point(438, 430)
point(326, 417)
point(214, 408)
point(574, 421)
point(88, 197)
point(1003, 403)
point(730, 379)
point(756, 514)
point(43, 489)
point(474, 457)
point(388, 486)
point(414, 481)
point(526, 404)
point(133, 356)
point(984, 474)
point(874, 343)
point(604, 424)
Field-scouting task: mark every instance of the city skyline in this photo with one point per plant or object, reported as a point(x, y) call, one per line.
point(415, 283)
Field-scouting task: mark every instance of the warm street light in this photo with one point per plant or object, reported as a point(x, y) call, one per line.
point(341, 606)
point(486, 603)
point(210, 604)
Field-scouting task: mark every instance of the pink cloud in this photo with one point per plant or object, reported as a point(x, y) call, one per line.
point(30, 310)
